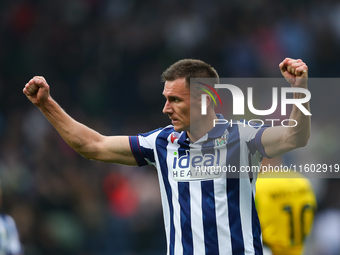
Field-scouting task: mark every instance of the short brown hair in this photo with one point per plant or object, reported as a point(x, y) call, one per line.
point(189, 68)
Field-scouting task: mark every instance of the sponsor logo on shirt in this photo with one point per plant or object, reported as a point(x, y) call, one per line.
point(194, 166)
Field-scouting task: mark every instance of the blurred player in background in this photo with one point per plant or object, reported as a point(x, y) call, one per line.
point(202, 216)
point(9, 237)
point(286, 204)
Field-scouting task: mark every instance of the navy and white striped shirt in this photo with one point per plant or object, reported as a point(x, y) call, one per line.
point(206, 212)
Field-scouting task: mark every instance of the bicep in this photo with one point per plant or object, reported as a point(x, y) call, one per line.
point(114, 149)
point(276, 141)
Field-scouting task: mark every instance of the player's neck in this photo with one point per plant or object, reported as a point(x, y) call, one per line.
point(202, 126)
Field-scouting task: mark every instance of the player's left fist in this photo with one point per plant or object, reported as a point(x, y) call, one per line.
point(37, 90)
point(295, 71)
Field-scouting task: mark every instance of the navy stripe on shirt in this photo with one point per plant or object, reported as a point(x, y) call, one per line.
point(209, 209)
point(233, 193)
point(209, 218)
point(256, 228)
point(184, 201)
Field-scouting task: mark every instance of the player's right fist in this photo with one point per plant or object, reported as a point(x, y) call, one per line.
point(37, 90)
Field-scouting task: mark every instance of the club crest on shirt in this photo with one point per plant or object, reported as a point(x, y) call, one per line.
point(221, 140)
point(173, 137)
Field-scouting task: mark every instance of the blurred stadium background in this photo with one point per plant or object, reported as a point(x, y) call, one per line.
point(103, 60)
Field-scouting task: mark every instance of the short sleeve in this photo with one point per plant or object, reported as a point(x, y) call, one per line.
point(257, 142)
point(143, 146)
point(253, 134)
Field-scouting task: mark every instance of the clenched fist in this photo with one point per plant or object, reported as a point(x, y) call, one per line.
point(295, 71)
point(37, 90)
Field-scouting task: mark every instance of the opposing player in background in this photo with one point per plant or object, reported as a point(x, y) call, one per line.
point(9, 237)
point(286, 204)
point(203, 215)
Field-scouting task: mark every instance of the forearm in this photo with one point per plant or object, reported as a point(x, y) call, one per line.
point(84, 140)
point(78, 136)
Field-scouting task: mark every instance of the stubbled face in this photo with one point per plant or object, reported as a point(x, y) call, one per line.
point(177, 105)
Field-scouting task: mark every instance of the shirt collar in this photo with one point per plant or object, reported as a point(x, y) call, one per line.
point(214, 133)
point(219, 129)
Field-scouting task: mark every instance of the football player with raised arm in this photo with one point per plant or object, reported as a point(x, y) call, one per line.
point(204, 214)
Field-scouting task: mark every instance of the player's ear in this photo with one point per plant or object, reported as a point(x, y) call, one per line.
point(209, 101)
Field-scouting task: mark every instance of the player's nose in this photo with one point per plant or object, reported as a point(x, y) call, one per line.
point(167, 108)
